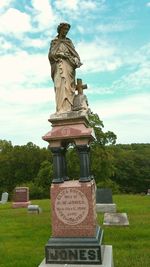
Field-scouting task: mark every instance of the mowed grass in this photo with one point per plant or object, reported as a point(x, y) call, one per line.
point(23, 236)
point(131, 244)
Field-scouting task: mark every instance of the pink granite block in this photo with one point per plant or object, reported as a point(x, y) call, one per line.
point(69, 131)
point(21, 204)
point(73, 209)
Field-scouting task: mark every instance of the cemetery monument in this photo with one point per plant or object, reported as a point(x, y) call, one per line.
point(21, 197)
point(76, 236)
point(104, 200)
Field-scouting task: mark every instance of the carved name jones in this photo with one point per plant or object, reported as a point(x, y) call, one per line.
point(71, 206)
point(79, 255)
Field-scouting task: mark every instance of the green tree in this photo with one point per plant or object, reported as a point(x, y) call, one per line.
point(102, 138)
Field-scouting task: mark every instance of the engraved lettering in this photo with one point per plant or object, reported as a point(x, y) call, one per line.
point(70, 255)
point(71, 206)
point(83, 255)
point(92, 254)
point(73, 255)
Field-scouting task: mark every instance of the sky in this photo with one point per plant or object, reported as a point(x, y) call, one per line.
point(112, 38)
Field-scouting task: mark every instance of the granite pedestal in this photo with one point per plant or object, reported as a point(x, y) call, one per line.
point(76, 237)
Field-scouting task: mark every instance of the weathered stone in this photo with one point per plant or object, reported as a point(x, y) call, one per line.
point(101, 207)
point(35, 209)
point(118, 219)
point(4, 198)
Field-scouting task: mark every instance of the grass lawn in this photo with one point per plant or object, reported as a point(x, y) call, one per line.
point(23, 236)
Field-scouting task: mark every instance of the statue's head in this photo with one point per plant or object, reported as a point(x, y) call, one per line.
point(63, 26)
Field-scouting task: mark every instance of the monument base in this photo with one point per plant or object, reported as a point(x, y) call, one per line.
point(107, 260)
point(105, 207)
point(82, 250)
point(21, 204)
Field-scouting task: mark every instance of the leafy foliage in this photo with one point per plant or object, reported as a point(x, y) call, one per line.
point(124, 168)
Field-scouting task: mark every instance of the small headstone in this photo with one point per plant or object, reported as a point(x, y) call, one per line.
point(104, 195)
point(118, 219)
point(4, 198)
point(104, 201)
point(148, 192)
point(21, 197)
point(35, 209)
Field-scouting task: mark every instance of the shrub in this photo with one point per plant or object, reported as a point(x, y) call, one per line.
point(108, 183)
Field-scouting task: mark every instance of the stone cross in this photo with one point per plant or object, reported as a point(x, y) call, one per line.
point(80, 86)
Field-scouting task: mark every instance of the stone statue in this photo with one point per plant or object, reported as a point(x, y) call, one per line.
point(64, 60)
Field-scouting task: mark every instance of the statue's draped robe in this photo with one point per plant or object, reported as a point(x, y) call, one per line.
point(63, 72)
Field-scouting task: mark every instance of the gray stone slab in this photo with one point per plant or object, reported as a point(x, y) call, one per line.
point(34, 209)
point(4, 198)
point(107, 261)
point(100, 207)
point(117, 219)
point(148, 192)
point(104, 195)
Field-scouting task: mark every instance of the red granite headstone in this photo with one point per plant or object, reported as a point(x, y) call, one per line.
point(21, 197)
point(73, 209)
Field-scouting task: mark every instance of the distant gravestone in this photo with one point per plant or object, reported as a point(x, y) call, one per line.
point(104, 201)
point(148, 192)
point(104, 195)
point(34, 209)
point(118, 219)
point(21, 197)
point(4, 198)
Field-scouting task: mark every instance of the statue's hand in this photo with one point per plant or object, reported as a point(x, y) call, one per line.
point(60, 55)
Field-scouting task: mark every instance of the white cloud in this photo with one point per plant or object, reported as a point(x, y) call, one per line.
point(4, 44)
point(132, 105)
point(5, 3)
point(67, 5)
point(114, 27)
point(98, 56)
point(22, 67)
point(32, 96)
point(128, 118)
point(43, 14)
point(88, 5)
point(148, 4)
point(25, 113)
point(14, 21)
point(35, 43)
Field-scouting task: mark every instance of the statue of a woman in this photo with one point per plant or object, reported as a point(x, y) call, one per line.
point(64, 60)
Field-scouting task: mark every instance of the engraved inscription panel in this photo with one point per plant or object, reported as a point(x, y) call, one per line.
point(71, 206)
point(21, 195)
point(73, 255)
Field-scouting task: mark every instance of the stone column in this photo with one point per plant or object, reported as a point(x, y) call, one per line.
point(64, 164)
point(83, 151)
point(57, 165)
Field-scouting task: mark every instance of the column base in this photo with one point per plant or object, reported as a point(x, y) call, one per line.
point(85, 250)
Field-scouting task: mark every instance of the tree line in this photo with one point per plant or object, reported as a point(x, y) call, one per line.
point(124, 168)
